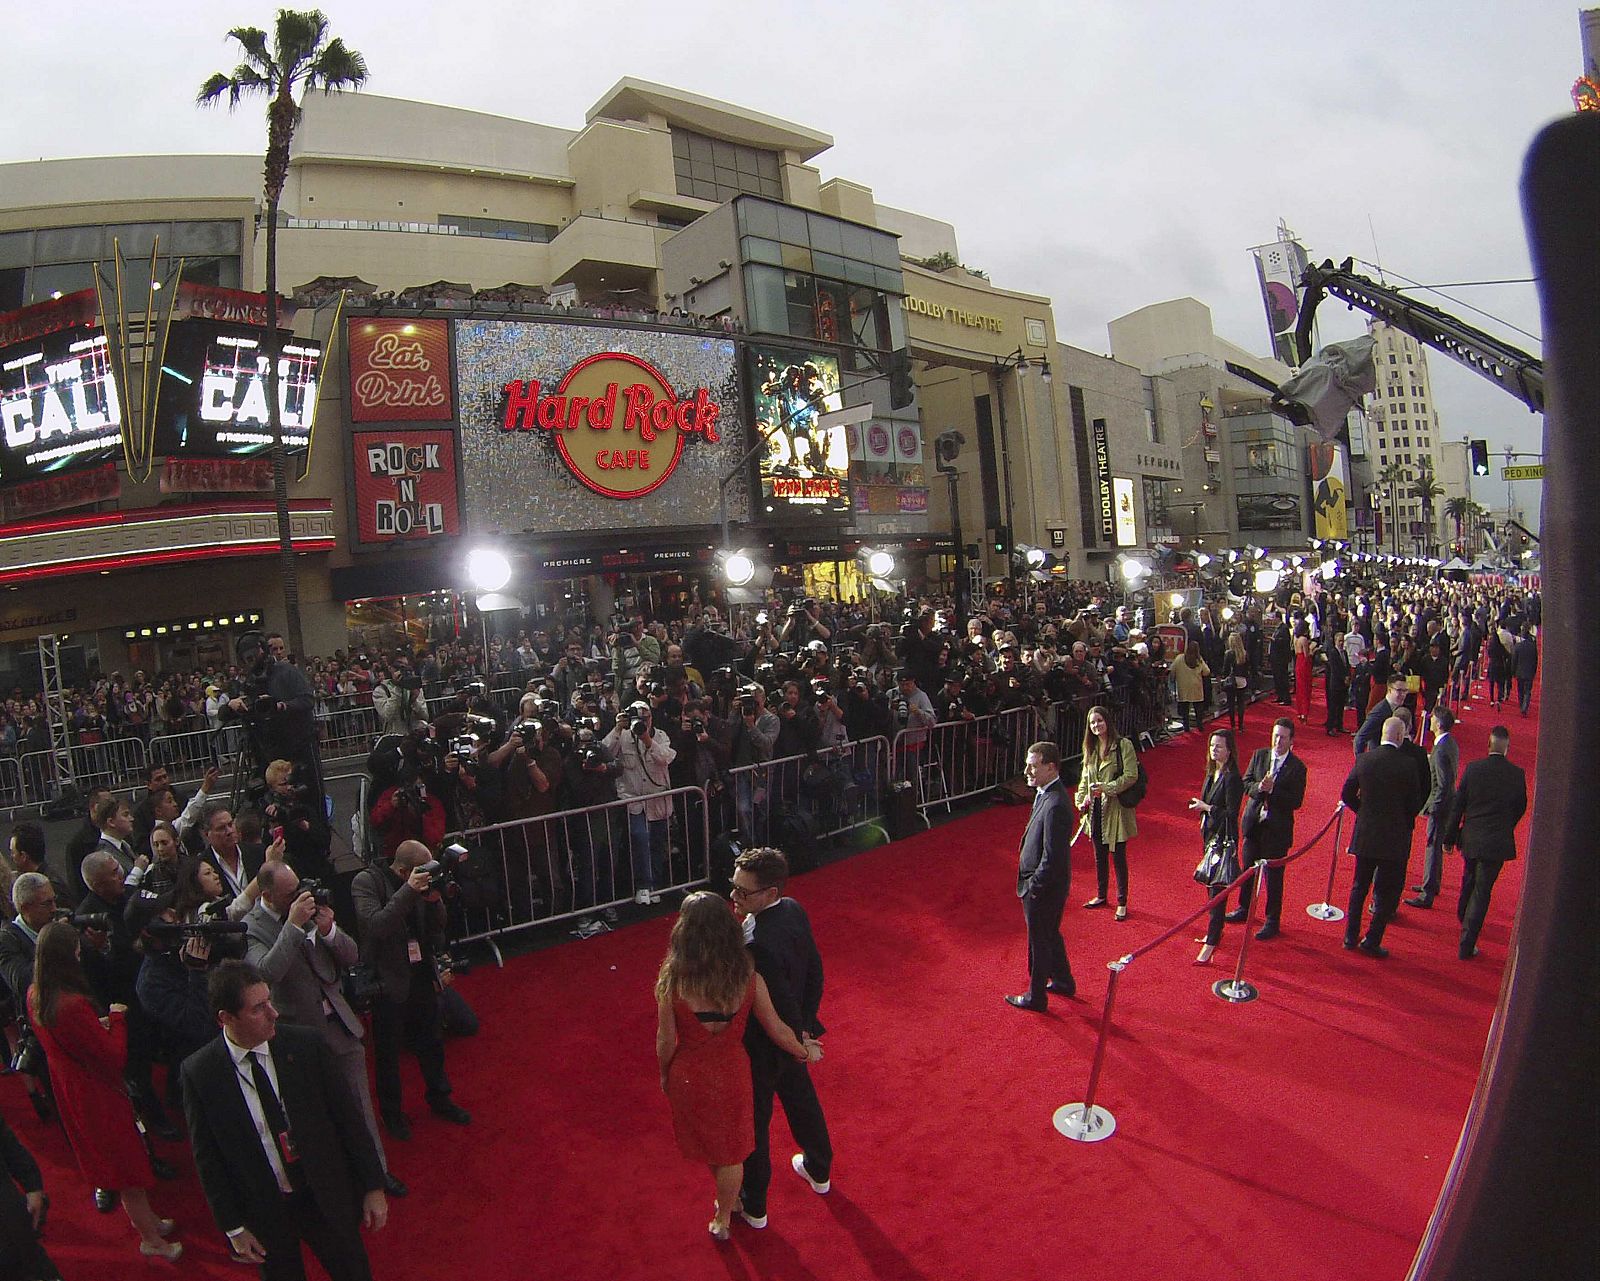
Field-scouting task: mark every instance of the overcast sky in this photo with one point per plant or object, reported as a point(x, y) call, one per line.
point(1107, 155)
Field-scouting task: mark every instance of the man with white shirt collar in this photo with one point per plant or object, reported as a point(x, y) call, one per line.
point(115, 821)
point(278, 1137)
point(300, 950)
point(236, 864)
point(1275, 785)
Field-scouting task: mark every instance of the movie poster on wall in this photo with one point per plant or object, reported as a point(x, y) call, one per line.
point(805, 468)
point(586, 428)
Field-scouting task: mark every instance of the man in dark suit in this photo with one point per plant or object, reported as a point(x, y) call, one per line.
point(1337, 683)
point(1525, 664)
point(279, 1143)
point(28, 854)
point(1371, 731)
point(1387, 796)
point(83, 841)
point(1443, 765)
point(236, 864)
point(1488, 805)
point(302, 952)
point(1044, 876)
point(1281, 655)
point(1275, 785)
point(114, 820)
point(785, 954)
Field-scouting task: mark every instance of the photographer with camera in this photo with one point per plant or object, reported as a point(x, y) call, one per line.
point(803, 623)
point(178, 954)
point(401, 918)
point(531, 772)
point(293, 940)
point(287, 808)
point(866, 711)
point(645, 757)
point(397, 699)
point(591, 780)
point(407, 810)
point(35, 901)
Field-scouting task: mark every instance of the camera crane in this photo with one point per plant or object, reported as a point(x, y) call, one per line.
point(1508, 367)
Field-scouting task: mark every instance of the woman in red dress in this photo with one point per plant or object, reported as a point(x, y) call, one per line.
point(1302, 672)
point(705, 994)
point(86, 1053)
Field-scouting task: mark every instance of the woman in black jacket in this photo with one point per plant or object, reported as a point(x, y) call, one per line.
point(1218, 804)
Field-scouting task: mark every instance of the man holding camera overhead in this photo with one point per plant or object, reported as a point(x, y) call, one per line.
point(402, 923)
point(292, 938)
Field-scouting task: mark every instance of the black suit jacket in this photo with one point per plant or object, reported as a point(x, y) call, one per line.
point(1371, 732)
point(1044, 866)
point(786, 957)
point(250, 859)
point(1272, 833)
point(336, 1152)
point(1488, 805)
point(1387, 796)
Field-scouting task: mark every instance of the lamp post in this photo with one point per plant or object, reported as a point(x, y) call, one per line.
point(946, 448)
point(1018, 360)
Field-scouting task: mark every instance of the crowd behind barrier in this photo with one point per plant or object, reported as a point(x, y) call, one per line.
point(560, 777)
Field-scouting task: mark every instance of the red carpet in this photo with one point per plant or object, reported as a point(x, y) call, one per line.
point(1303, 1135)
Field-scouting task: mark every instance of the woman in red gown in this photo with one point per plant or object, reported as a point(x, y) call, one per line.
point(86, 1053)
point(705, 994)
point(1302, 672)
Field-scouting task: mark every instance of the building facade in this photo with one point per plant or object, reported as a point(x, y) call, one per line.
point(1406, 444)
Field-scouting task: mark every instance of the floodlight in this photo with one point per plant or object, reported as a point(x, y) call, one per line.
point(488, 569)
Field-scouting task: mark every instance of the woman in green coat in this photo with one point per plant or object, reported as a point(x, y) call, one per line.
point(1110, 766)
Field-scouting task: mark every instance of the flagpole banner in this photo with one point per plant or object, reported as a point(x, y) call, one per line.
point(1280, 268)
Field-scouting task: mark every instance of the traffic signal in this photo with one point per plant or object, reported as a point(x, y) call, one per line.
point(1002, 540)
point(1480, 457)
point(901, 390)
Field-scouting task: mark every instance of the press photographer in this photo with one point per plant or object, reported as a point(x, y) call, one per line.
point(179, 949)
point(406, 808)
point(591, 779)
point(397, 700)
point(401, 918)
point(646, 757)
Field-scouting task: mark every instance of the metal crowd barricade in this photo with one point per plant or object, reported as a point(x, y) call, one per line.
point(115, 763)
point(1065, 724)
point(189, 755)
point(347, 727)
point(10, 782)
point(822, 795)
point(957, 759)
point(563, 865)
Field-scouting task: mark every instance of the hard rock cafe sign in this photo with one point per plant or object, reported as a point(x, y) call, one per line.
point(617, 423)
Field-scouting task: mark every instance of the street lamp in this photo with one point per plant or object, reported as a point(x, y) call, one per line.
point(1020, 361)
point(946, 449)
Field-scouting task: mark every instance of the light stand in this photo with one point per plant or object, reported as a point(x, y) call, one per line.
point(946, 449)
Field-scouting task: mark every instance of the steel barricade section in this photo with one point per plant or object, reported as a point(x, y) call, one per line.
point(955, 760)
point(566, 864)
point(815, 797)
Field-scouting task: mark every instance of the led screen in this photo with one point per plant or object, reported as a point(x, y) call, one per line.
point(212, 400)
point(59, 405)
point(804, 469)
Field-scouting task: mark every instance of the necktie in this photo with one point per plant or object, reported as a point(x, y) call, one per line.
point(277, 1122)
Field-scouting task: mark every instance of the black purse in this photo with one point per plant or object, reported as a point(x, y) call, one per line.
point(1219, 864)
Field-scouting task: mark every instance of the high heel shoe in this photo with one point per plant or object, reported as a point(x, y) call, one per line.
point(719, 1230)
point(1098, 901)
point(1122, 912)
point(171, 1251)
point(1205, 956)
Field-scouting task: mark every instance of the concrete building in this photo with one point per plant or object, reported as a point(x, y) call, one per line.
point(1249, 462)
point(1406, 440)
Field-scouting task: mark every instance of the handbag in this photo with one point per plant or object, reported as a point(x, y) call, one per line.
point(1219, 864)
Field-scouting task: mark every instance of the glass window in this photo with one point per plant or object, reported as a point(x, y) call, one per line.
point(680, 145)
point(16, 249)
point(767, 165)
point(61, 277)
point(825, 234)
point(795, 257)
point(758, 250)
point(792, 226)
point(700, 147)
point(759, 218)
point(764, 298)
point(800, 296)
point(13, 287)
point(828, 265)
point(69, 244)
point(138, 238)
point(205, 238)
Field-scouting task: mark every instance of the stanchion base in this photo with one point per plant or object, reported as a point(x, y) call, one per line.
point(1325, 912)
point(1234, 993)
point(1084, 1125)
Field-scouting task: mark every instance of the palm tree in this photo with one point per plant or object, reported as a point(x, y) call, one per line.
point(301, 58)
point(1392, 478)
point(1457, 509)
point(1426, 488)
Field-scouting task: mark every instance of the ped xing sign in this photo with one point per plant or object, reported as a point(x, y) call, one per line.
point(1533, 471)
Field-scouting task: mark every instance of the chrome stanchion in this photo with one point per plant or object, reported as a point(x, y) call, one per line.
point(1084, 1122)
point(1325, 910)
point(1236, 990)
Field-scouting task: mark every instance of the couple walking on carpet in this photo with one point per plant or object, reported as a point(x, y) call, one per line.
point(719, 1068)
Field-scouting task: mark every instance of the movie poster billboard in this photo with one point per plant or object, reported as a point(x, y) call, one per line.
point(1127, 525)
point(59, 405)
point(1326, 468)
point(594, 428)
point(804, 469)
point(212, 399)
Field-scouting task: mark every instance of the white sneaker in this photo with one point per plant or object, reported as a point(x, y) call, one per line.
point(798, 1163)
point(641, 897)
point(754, 1221)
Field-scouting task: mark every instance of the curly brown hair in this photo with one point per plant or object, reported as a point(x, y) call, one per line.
point(706, 956)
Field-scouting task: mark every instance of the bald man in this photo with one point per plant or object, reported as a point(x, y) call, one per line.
point(402, 925)
point(1385, 792)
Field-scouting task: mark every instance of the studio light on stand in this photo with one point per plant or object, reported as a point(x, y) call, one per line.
point(745, 576)
point(489, 570)
point(880, 567)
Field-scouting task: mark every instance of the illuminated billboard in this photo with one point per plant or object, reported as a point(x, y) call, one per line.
point(212, 401)
point(804, 468)
point(59, 405)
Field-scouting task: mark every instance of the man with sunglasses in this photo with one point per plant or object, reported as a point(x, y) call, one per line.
point(778, 933)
